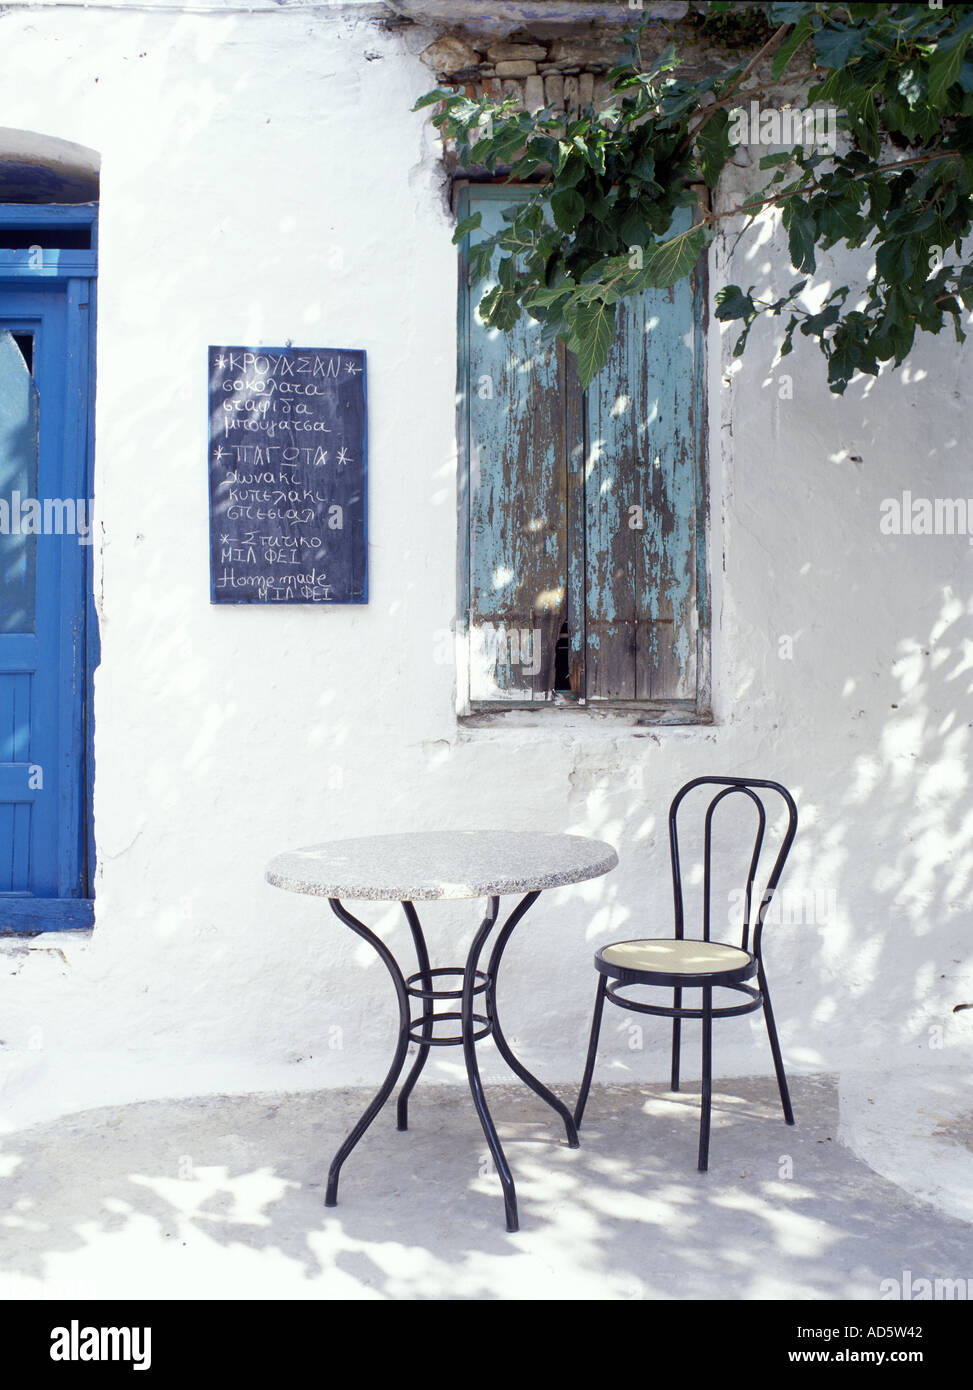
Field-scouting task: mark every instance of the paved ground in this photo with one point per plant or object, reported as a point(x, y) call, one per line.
point(223, 1197)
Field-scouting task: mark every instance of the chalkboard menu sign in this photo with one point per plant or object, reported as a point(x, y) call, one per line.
point(287, 471)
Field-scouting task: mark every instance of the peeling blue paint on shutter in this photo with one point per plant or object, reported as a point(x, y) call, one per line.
point(517, 497)
point(585, 510)
point(641, 447)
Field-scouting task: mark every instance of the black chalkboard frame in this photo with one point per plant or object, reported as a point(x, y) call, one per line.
point(254, 599)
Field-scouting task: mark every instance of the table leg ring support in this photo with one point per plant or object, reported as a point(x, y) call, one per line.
point(420, 1029)
point(421, 976)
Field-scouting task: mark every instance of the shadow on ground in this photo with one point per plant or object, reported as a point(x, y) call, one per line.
point(222, 1197)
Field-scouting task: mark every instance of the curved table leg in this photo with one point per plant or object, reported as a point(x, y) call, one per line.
point(503, 1046)
point(473, 1072)
point(331, 1196)
point(422, 956)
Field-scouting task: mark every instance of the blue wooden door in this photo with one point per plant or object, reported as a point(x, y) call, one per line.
point(44, 540)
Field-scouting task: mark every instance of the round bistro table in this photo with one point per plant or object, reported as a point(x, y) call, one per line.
point(440, 865)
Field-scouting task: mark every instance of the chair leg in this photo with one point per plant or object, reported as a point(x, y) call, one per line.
point(707, 1096)
point(676, 1040)
point(785, 1098)
point(592, 1049)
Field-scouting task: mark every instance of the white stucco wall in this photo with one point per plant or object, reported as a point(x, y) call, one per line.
point(264, 180)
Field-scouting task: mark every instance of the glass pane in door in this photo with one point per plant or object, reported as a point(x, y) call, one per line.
point(18, 482)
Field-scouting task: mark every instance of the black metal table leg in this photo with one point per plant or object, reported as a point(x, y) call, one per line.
point(331, 1196)
point(503, 1046)
point(473, 1072)
point(422, 956)
point(473, 1027)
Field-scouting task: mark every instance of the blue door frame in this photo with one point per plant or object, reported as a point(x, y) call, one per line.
point(47, 299)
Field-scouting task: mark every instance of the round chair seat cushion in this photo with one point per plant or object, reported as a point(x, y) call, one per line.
point(673, 957)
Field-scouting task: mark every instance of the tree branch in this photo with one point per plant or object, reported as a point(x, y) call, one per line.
point(815, 185)
point(775, 40)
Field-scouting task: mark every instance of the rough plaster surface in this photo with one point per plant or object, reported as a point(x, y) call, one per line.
point(262, 179)
point(915, 1127)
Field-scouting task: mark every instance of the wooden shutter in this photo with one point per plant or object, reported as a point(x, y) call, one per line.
point(550, 475)
point(642, 499)
point(517, 495)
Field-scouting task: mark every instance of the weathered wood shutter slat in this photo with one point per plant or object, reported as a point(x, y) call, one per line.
point(641, 494)
point(518, 556)
point(576, 615)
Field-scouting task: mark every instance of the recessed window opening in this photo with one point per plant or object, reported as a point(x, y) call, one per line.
point(50, 238)
point(562, 661)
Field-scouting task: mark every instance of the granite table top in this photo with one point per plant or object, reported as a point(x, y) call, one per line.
point(426, 865)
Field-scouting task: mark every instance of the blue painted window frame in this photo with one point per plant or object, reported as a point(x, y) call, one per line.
point(696, 709)
point(76, 270)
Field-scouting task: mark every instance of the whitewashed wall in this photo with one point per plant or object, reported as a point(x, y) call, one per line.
point(263, 180)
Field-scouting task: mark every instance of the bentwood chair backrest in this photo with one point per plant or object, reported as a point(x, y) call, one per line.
point(731, 786)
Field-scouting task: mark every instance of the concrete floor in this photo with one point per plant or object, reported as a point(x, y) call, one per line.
point(222, 1197)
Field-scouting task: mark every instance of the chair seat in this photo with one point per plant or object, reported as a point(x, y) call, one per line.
point(674, 957)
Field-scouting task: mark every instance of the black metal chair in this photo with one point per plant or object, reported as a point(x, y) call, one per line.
point(679, 963)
